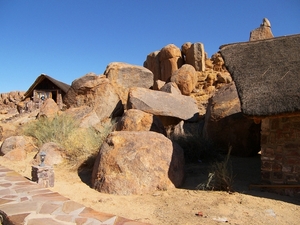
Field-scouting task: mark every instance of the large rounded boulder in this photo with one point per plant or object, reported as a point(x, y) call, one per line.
point(15, 148)
point(185, 78)
point(124, 76)
point(137, 162)
point(97, 93)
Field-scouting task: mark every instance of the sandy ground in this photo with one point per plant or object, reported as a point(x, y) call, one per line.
point(182, 206)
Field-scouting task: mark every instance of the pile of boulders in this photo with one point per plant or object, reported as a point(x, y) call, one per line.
point(137, 157)
point(189, 68)
point(175, 88)
point(10, 102)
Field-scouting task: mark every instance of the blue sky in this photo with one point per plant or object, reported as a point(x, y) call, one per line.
point(66, 39)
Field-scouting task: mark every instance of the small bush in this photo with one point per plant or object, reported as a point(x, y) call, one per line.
point(220, 176)
point(79, 143)
point(54, 129)
point(84, 143)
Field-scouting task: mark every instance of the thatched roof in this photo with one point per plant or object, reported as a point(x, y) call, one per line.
point(267, 74)
point(64, 87)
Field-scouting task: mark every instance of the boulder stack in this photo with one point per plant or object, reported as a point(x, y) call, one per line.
point(163, 104)
point(137, 120)
point(170, 60)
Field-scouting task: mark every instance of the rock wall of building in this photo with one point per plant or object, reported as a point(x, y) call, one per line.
point(280, 152)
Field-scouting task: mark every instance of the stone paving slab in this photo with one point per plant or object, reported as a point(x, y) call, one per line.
point(27, 203)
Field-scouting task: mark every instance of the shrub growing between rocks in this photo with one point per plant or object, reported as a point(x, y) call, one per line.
point(78, 143)
point(55, 129)
point(220, 176)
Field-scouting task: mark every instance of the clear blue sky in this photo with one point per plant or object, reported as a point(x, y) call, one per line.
point(66, 39)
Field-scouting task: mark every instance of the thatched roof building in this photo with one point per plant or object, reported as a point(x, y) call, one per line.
point(267, 74)
point(47, 87)
point(46, 82)
point(267, 77)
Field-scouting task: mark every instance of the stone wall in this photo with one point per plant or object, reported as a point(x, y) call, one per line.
point(280, 152)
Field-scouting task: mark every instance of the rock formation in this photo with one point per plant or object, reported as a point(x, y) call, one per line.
point(163, 104)
point(195, 56)
point(97, 93)
point(185, 78)
point(15, 148)
point(152, 63)
point(131, 162)
point(137, 120)
point(54, 154)
point(9, 100)
point(158, 84)
point(262, 32)
point(184, 49)
point(164, 62)
point(170, 60)
point(192, 94)
point(49, 108)
point(171, 87)
point(124, 76)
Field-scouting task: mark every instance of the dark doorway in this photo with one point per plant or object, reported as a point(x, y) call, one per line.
point(54, 96)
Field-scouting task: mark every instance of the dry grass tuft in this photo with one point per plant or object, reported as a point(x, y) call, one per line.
point(55, 129)
point(79, 143)
point(220, 177)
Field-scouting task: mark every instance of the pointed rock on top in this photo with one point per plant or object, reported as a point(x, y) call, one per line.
point(195, 56)
point(49, 108)
point(170, 60)
point(263, 32)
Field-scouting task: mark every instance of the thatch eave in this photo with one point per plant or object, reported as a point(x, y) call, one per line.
point(266, 74)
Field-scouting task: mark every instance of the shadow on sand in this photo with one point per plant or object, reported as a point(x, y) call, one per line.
point(246, 171)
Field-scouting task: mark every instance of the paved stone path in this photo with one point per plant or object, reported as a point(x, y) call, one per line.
point(26, 203)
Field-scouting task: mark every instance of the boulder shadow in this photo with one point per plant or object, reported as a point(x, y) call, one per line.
point(245, 170)
point(85, 170)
